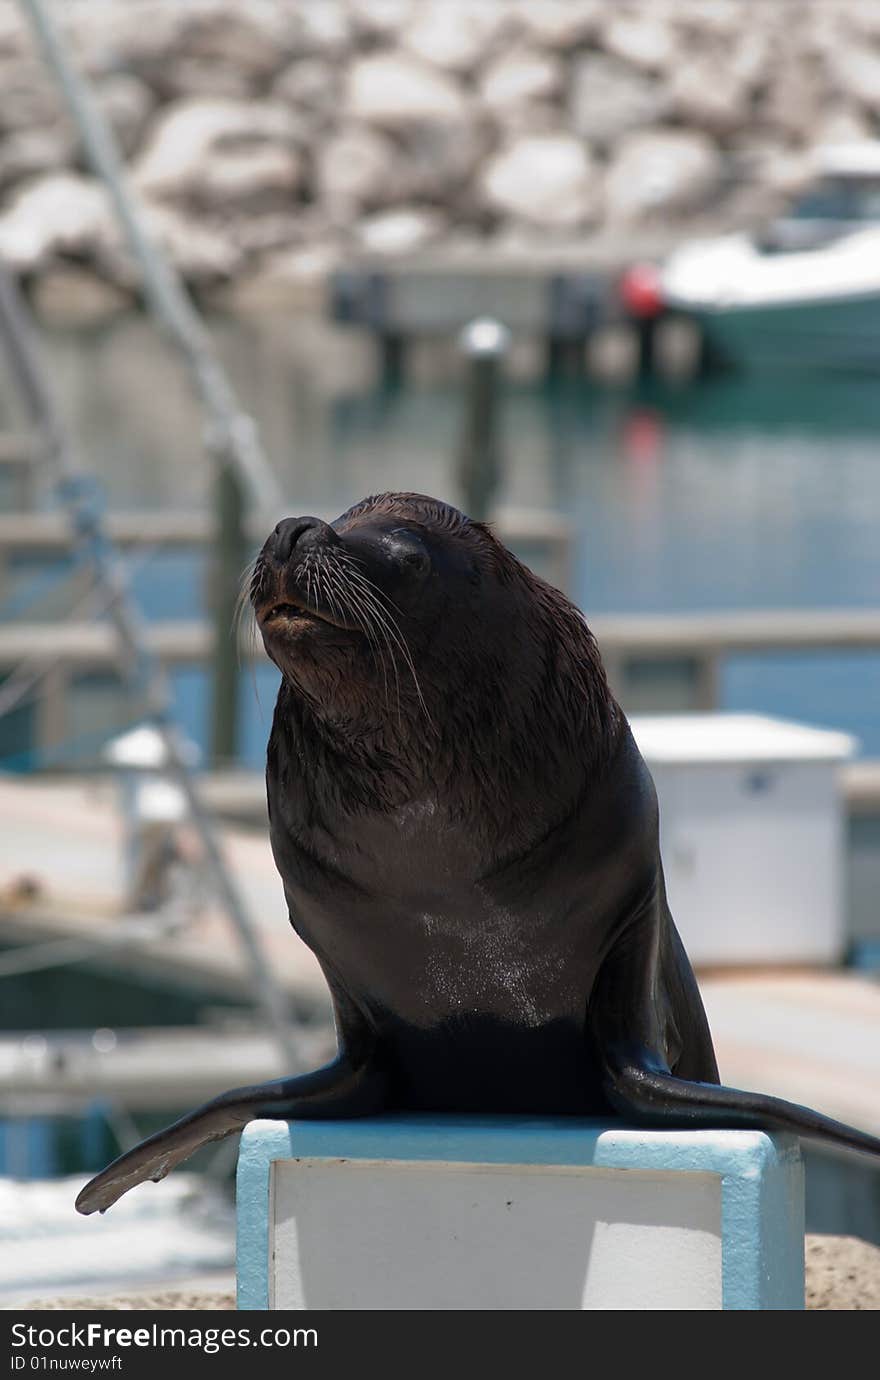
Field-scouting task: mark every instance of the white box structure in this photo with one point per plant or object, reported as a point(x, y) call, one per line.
point(413, 1212)
point(751, 835)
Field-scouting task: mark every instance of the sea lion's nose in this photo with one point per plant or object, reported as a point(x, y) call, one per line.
point(299, 533)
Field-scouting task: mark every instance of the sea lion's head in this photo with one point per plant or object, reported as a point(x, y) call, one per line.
point(406, 619)
point(351, 609)
point(347, 609)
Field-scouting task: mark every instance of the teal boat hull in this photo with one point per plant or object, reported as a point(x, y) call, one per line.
point(832, 333)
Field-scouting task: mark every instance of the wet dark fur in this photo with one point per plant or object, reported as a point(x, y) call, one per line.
point(467, 837)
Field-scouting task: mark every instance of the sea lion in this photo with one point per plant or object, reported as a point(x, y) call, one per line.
point(468, 839)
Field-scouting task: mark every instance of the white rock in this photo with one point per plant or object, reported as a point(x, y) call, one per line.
point(660, 171)
point(819, 30)
point(400, 231)
point(608, 98)
point(393, 89)
point(309, 84)
point(856, 72)
point(768, 166)
point(250, 174)
point(69, 295)
point(520, 243)
point(706, 93)
point(283, 281)
point(355, 168)
point(547, 180)
point(382, 18)
point(841, 124)
point(519, 78)
point(322, 27)
point(441, 160)
point(640, 39)
point(215, 150)
point(179, 77)
point(129, 38)
point(711, 19)
point(541, 117)
point(29, 99)
point(199, 252)
point(749, 59)
point(268, 231)
point(457, 34)
point(560, 23)
point(309, 265)
point(61, 212)
point(14, 36)
point(793, 101)
point(27, 153)
point(247, 38)
point(861, 19)
point(126, 103)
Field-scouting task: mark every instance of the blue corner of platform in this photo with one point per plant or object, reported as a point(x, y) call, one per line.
point(262, 1142)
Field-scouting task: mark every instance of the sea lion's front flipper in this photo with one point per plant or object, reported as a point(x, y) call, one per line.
point(649, 1029)
point(338, 1090)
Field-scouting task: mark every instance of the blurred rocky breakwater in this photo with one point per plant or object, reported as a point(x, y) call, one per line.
point(272, 140)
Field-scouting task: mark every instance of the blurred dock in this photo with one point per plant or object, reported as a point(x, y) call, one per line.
point(809, 1036)
point(565, 301)
point(61, 879)
point(144, 1068)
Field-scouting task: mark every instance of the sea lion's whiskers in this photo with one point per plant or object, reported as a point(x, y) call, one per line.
point(242, 618)
point(373, 593)
point(368, 619)
point(372, 612)
point(333, 586)
point(393, 629)
point(371, 587)
point(378, 595)
point(358, 565)
point(326, 591)
point(308, 575)
point(244, 624)
point(365, 616)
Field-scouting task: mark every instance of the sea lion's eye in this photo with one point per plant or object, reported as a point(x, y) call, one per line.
point(408, 552)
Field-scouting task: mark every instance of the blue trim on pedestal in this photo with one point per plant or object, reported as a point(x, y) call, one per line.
point(762, 1213)
point(262, 1142)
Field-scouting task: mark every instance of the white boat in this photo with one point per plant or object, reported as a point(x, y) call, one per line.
point(805, 291)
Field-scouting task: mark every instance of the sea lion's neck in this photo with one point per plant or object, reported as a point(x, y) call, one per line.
point(345, 766)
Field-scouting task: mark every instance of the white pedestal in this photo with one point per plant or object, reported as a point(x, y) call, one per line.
point(492, 1213)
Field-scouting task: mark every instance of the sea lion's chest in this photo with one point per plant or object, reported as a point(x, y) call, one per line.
point(399, 906)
